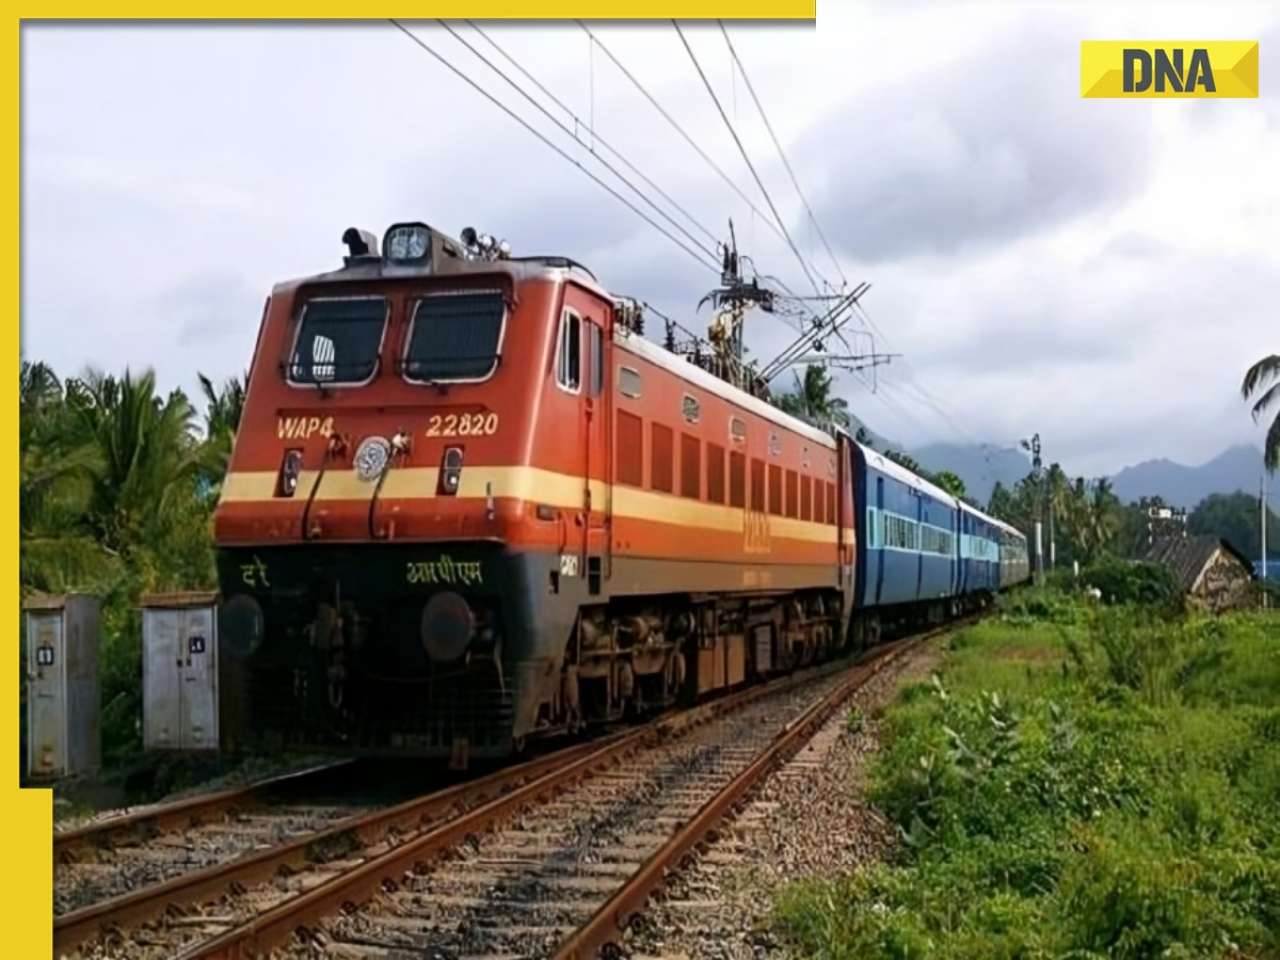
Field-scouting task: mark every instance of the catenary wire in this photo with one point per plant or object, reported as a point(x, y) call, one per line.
point(710, 251)
point(764, 218)
point(781, 153)
point(590, 128)
point(554, 146)
point(750, 166)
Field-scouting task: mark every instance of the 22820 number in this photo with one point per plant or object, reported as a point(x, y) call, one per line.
point(462, 425)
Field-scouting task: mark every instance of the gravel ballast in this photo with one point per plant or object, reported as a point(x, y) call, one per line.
point(808, 819)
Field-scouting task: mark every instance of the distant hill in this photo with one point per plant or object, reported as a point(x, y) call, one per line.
point(1236, 468)
point(981, 465)
point(978, 465)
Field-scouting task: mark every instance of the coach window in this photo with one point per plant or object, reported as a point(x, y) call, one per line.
point(339, 341)
point(569, 356)
point(455, 337)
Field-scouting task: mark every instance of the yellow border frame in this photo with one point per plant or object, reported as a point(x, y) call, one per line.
point(26, 816)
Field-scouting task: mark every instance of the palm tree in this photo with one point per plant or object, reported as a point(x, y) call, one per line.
point(1265, 374)
point(146, 446)
point(812, 399)
point(56, 549)
point(221, 420)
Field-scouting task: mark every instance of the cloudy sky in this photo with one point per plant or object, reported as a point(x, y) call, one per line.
point(1099, 271)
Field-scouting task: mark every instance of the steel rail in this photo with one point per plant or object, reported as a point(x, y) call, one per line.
point(75, 927)
point(608, 924)
point(278, 924)
point(183, 813)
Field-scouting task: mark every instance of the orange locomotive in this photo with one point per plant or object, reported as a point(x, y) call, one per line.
point(469, 503)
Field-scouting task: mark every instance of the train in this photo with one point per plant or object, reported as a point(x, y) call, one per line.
point(470, 504)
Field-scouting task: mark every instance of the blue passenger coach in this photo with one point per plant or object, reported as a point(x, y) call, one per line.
point(922, 554)
point(907, 550)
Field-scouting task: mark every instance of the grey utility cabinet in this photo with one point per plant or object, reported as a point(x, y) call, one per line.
point(63, 730)
point(180, 671)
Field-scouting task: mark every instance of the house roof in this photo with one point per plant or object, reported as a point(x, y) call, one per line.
point(1187, 556)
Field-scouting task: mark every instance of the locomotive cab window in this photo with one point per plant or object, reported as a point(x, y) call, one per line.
point(339, 341)
point(569, 353)
point(455, 337)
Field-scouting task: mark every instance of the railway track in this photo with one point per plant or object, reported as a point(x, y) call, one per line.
point(163, 840)
point(549, 857)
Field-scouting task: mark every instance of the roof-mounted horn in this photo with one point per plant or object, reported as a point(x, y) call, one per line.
point(360, 243)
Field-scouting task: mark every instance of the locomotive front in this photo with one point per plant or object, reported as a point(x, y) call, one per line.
point(375, 530)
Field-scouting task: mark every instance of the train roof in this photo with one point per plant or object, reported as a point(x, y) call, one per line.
point(991, 520)
point(687, 370)
point(899, 472)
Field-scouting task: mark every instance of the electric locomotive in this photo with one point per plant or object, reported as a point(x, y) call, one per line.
point(469, 503)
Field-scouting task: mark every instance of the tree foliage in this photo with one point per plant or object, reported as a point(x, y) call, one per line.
point(115, 499)
point(812, 399)
point(1262, 384)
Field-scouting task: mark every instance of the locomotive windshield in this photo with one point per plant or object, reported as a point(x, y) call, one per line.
point(455, 336)
point(338, 341)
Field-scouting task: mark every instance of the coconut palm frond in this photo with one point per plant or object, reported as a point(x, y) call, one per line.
point(1266, 369)
point(1271, 396)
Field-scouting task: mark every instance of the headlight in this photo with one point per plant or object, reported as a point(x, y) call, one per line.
point(407, 241)
point(371, 457)
point(240, 625)
point(446, 626)
point(290, 467)
point(450, 470)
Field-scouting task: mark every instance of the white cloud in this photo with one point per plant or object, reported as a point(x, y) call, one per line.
point(1098, 271)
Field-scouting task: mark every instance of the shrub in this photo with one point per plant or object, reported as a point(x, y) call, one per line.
point(1121, 801)
point(1125, 582)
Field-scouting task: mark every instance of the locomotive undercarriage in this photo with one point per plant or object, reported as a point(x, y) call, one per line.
point(351, 656)
point(638, 655)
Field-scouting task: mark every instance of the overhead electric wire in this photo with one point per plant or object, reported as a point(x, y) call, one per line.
point(750, 166)
point(714, 266)
point(710, 251)
point(781, 153)
point(590, 128)
point(764, 218)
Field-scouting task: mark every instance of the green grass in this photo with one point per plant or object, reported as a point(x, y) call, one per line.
point(1076, 783)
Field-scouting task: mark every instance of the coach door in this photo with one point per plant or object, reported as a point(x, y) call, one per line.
point(586, 324)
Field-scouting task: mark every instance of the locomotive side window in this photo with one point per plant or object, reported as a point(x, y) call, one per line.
point(628, 382)
point(338, 342)
point(455, 337)
point(569, 355)
point(715, 473)
point(661, 458)
point(690, 466)
point(630, 449)
point(737, 480)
